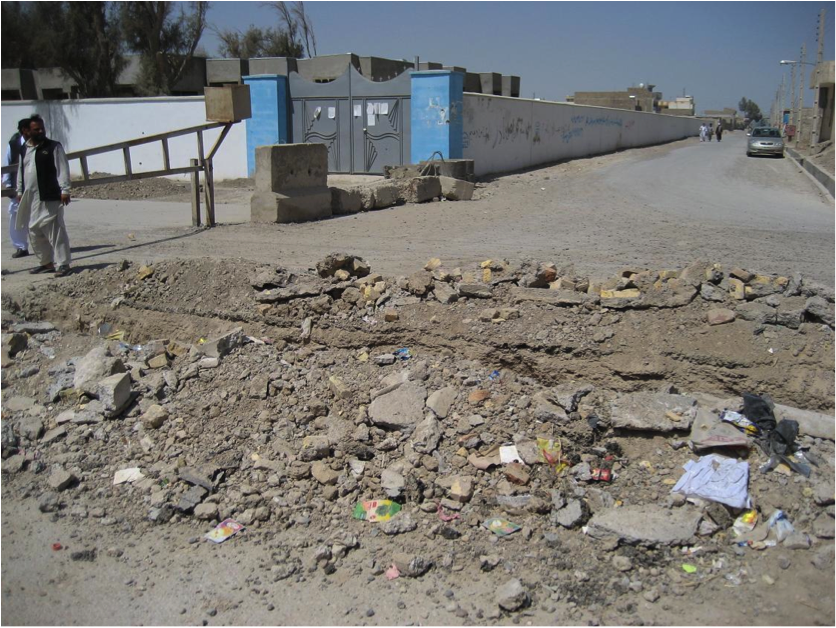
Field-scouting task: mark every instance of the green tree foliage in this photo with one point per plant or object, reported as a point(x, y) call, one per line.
point(750, 108)
point(165, 35)
point(293, 37)
point(42, 34)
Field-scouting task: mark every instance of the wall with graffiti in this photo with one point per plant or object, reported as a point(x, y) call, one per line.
point(502, 134)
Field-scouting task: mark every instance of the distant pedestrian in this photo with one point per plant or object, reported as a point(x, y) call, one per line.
point(19, 237)
point(719, 131)
point(703, 131)
point(710, 132)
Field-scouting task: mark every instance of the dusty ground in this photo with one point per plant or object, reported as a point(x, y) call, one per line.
point(265, 399)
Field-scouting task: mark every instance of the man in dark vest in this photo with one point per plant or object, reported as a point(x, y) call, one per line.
point(43, 188)
point(19, 237)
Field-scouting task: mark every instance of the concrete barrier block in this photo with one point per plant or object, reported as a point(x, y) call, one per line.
point(386, 194)
point(346, 201)
point(291, 167)
point(291, 205)
point(420, 189)
point(456, 189)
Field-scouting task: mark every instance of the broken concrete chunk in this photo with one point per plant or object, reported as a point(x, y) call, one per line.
point(410, 565)
point(441, 401)
point(511, 596)
point(475, 290)
point(60, 479)
point(154, 417)
point(657, 412)
point(93, 367)
point(720, 316)
point(315, 448)
point(427, 435)
point(220, 346)
point(114, 392)
point(456, 189)
point(813, 424)
point(191, 498)
point(819, 309)
point(645, 525)
point(402, 409)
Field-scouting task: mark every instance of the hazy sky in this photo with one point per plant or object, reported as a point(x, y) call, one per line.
point(716, 51)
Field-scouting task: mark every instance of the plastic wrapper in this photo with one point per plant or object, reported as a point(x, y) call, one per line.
point(500, 526)
point(376, 510)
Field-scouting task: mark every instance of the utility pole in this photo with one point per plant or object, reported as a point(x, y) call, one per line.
point(792, 94)
point(801, 87)
point(814, 135)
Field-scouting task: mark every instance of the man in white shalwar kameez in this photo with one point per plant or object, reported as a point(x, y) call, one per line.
point(43, 187)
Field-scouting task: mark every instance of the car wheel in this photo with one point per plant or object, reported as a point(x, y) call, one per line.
point(748, 154)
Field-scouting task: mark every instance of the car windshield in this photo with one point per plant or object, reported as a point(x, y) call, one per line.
point(766, 133)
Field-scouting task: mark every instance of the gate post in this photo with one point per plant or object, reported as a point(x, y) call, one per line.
point(437, 106)
point(270, 104)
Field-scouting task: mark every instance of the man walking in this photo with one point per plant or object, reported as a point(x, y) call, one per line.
point(19, 237)
point(43, 188)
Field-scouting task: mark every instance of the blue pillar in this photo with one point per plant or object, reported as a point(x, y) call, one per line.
point(270, 113)
point(437, 107)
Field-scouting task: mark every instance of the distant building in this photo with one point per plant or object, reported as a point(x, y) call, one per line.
point(641, 98)
point(729, 116)
point(682, 106)
point(822, 83)
point(53, 84)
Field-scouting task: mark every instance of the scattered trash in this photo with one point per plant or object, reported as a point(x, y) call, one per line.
point(780, 525)
point(780, 445)
point(392, 572)
point(402, 354)
point(759, 410)
point(104, 329)
point(740, 422)
point(501, 527)
point(376, 510)
point(709, 431)
point(509, 454)
point(602, 475)
point(550, 450)
point(445, 517)
point(745, 522)
point(716, 478)
point(127, 476)
point(224, 530)
point(689, 568)
point(494, 376)
point(56, 547)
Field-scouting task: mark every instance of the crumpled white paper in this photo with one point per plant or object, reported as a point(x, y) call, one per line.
point(723, 480)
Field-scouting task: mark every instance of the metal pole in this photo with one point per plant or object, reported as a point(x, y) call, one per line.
point(814, 135)
point(801, 88)
point(195, 192)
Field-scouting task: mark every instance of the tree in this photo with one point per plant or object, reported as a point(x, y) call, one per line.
point(40, 34)
point(165, 41)
point(294, 37)
point(91, 30)
point(750, 108)
point(257, 42)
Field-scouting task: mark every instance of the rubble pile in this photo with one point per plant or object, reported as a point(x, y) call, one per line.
point(429, 456)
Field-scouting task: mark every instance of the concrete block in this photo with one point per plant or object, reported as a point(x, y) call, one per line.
point(345, 201)
point(472, 83)
point(456, 168)
point(456, 189)
point(230, 103)
point(420, 190)
point(114, 392)
point(291, 205)
point(386, 194)
point(291, 167)
point(367, 197)
point(226, 70)
point(511, 86)
point(272, 65)
point(491, 83)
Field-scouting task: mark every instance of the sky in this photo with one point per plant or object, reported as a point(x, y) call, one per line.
point(716, 52)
